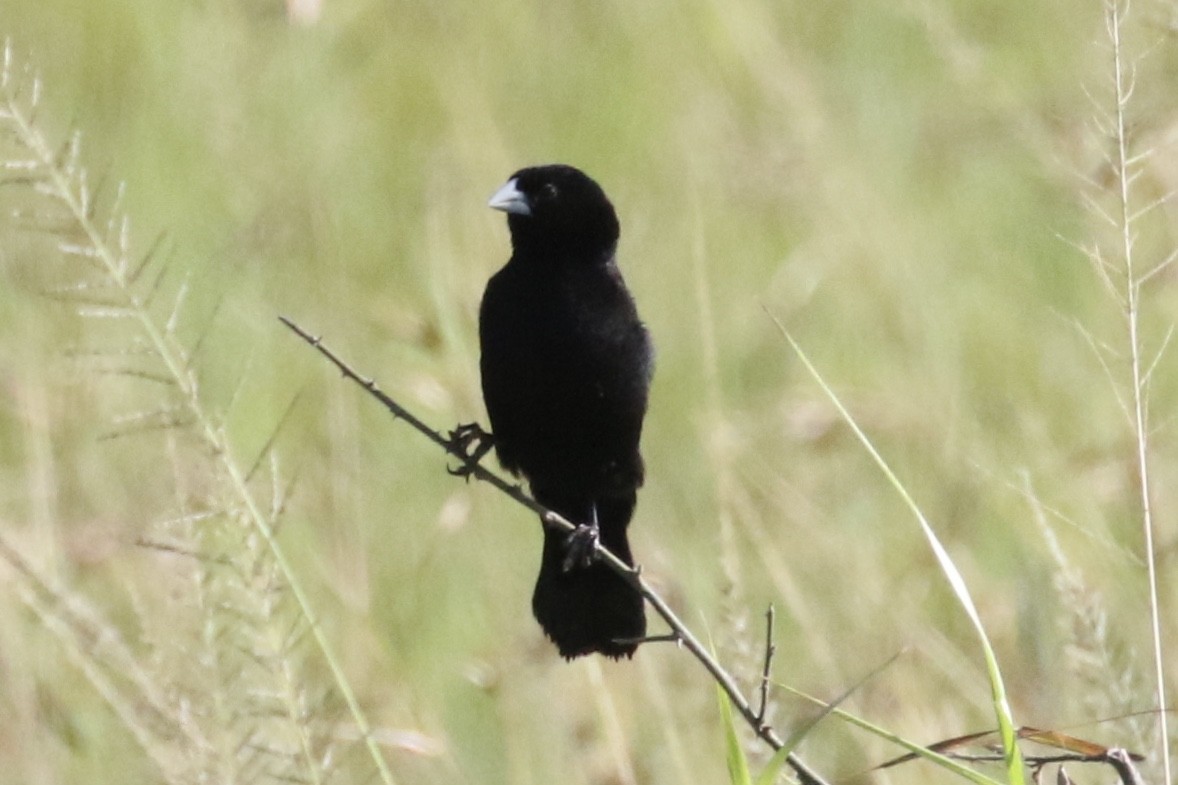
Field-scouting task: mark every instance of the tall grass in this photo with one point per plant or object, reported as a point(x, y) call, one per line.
point(1124, 267)
point(244, 709)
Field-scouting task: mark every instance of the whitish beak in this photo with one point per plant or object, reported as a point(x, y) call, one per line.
point(510, 199)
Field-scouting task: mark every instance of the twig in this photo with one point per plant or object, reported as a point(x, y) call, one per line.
point(456, 446)
point(770, 650)
point(1119, 759)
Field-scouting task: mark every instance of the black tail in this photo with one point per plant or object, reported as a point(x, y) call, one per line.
point(589, 609)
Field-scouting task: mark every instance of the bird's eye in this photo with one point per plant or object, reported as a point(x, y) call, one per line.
point(548, 191)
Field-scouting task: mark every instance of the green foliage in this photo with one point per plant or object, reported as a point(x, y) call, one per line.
point(948, 764)
point(734, 754)
point(1014, 759)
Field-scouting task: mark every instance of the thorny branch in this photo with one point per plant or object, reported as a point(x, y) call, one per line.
point(457, 444)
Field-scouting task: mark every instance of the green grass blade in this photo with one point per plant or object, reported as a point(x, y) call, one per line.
point(738, 764)
point(769, 774)
point(929, 755)
point(1014, 762)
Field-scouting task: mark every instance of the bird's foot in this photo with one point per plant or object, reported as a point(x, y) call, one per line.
point(469, 443)
point(581, 546)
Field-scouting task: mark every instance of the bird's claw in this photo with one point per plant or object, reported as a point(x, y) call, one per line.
point(469, 443)
point(581, 546)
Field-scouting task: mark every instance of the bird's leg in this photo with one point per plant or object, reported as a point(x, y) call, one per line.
point(469, 443)
point(581, 544)
point(670, 637)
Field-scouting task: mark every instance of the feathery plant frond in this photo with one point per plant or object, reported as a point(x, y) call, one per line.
point(1098, 658)
point(244, 712)
point(736, 632)
point(1127, 225)
point(111, 666)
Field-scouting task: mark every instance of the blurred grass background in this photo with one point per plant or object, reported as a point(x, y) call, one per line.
point(901, 183)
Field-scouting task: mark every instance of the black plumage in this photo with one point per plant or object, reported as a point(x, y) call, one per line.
point(566, 367)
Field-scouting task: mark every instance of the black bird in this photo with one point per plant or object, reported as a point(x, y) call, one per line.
point(566, 368)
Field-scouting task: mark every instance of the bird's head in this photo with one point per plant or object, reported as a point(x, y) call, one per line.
point(558, 210)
